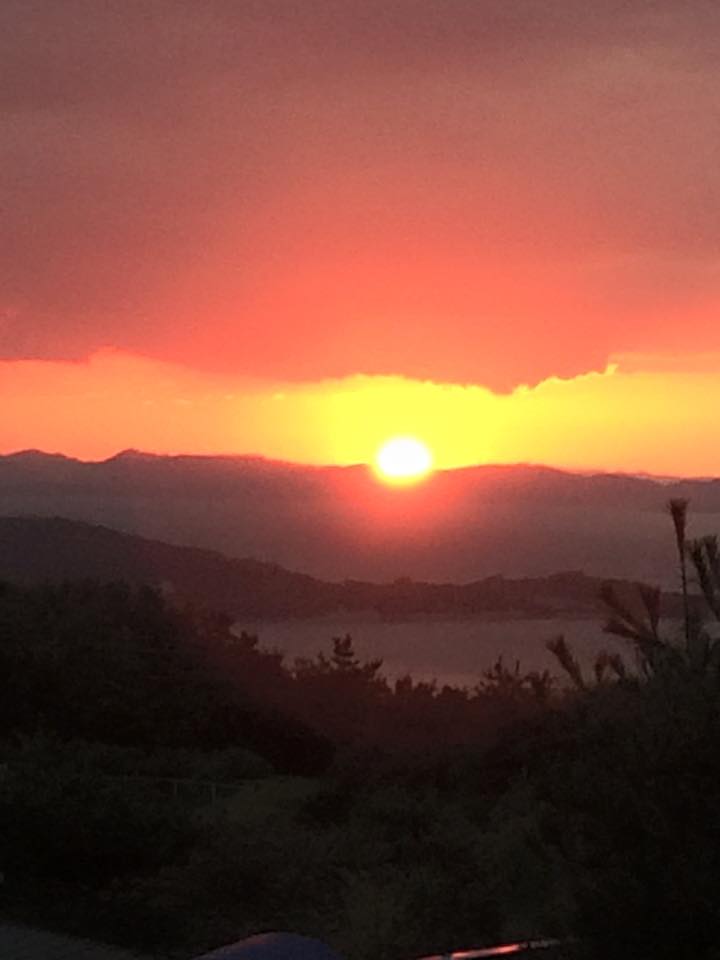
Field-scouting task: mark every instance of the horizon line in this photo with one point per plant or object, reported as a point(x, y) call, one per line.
point(130, 452)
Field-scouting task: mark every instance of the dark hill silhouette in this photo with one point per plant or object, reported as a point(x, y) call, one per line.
point(39, 549)
point(339, 522)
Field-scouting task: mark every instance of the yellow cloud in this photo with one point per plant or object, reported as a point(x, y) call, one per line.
point(628, 417)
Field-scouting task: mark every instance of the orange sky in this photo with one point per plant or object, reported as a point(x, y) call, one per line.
point(294, 228)
point(630, 417)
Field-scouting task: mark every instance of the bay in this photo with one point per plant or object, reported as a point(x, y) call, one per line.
point(453, 652)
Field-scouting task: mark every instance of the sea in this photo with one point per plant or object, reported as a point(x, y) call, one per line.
point(453, 652)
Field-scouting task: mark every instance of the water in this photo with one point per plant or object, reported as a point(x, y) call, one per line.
point(451, 651)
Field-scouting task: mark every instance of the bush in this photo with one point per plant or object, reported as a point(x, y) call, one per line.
point(62, 824)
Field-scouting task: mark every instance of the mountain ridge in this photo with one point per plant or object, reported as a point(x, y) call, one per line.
point(338, 523)
point(55, 549)
point(133, 453)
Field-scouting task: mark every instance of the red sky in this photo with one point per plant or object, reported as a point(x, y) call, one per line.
point(275, 196)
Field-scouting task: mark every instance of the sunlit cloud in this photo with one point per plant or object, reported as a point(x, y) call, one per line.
point(304, 191)
point(631, 416)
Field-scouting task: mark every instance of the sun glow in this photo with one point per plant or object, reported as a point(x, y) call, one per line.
point(403, 460)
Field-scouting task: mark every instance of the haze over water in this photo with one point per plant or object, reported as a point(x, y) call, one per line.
point(453, 652)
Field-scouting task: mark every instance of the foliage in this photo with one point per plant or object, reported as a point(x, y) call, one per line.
point(500, 681)
point(388, 819)
point(65, 824)
point(633, 798)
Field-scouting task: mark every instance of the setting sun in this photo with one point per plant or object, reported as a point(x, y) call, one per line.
point(403, 460)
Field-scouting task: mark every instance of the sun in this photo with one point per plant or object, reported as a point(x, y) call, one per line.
point(403, 460)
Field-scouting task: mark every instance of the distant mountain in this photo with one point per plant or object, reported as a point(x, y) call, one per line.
point(339, 522)
point(39, 549)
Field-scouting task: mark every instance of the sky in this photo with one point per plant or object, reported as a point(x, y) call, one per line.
point(293, 229)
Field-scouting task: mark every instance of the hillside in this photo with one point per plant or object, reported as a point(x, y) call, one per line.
point(336, 523)
point(36, 549)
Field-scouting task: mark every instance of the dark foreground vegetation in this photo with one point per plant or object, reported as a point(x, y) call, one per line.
point(168, 785)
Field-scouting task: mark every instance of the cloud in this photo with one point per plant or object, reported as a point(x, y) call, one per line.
point(480, 191)
point(580, 422)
